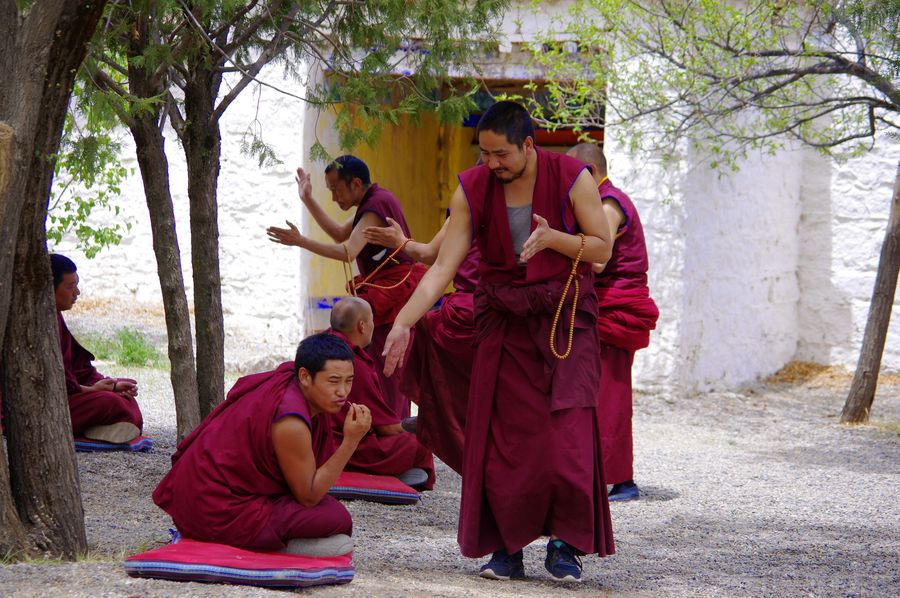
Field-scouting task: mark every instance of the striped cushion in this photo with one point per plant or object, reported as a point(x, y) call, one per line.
point(141, 444)
point(190, 560)
point(352, 485)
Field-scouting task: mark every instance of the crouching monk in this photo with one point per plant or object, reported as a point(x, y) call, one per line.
point(387, 449)
point(255, 472)
point(101, 408)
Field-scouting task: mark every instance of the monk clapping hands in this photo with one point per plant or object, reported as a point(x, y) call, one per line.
point(358, 422)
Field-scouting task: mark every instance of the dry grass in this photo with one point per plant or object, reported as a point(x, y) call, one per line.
point(817, 375)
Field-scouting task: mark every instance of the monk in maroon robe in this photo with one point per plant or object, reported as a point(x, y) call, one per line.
point(386, 281)
point(627, 315)
point(101, 408)
point(439, 366)
point(387, 449)
point(256, 472)
point(532, 450)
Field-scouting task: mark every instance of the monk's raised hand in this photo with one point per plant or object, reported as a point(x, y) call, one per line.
point(285, 236)
point(304, 185)
point(387, 236)
point(395, 348)
point(538, 241)
point(357, 422)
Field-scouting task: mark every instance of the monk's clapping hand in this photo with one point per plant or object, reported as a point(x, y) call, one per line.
point(387, 236)
point(538, 241)
point(357, 422)
point(304, 185)
point(285, 236)
point(395, 348)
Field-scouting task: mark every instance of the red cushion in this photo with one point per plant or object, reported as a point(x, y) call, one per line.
point(376, 488)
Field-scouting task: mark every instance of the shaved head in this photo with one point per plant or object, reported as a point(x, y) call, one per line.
point(591, 153)
point(347, 313)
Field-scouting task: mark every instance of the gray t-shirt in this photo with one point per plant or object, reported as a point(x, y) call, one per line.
point(519, 226)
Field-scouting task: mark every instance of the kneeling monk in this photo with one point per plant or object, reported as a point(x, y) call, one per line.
point(387, 449)
point(255, 472)
point(101, 408)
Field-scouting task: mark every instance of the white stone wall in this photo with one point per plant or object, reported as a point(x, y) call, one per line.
point(262, 293)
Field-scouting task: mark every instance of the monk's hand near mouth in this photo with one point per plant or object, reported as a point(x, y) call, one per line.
point(395, 348)
point(538, 241)
point(357, 422)
point(285, 236)
point(387, 236)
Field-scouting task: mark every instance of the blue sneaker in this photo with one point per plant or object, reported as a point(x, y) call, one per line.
point(504, 566)
point(624, 491)
point(562, 562)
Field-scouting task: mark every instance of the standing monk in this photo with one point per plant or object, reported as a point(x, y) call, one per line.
point(627, 315)
point(387, 449)
point(437, 375)
point(101, 408)
point(532, 452)
point(385, 281)
point(255, 472)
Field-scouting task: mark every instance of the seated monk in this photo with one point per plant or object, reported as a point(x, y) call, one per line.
point(256, 472)
point(387, 449)
point(101, 408)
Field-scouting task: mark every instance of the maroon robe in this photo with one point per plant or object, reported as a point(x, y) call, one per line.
point(225, 484)
point(380, 455)
point(439, 367)
point(532, 453)
point(627, 315)
point(96, 407)
point(385, 298)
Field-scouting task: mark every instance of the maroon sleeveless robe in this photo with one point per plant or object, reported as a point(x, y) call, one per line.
point(225, 484)
point(439, 367)
point(386, 299)
point(392, 454)
point(627, 315)
point(532, 453)
point(95, 407)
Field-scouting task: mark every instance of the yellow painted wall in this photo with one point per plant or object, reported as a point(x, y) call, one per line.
point(418, 163)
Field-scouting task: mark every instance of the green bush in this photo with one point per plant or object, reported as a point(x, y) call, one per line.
point(128, 347)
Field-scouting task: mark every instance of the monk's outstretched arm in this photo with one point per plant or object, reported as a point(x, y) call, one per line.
point(339, 232)
point(453, 250)
point(392, 236)
point(292, 442)
point(335, 251)
point(591, 220)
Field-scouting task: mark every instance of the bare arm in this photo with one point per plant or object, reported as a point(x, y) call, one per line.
point(337, 231)
point(591, 220)
point(616, 218)
point(292, 442)
point(453, 249)
point(392, 236)
point(335, 251)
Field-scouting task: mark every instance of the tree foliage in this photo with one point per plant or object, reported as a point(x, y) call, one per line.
point(729, 76)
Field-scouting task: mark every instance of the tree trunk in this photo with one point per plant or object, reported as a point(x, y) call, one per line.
point(151, 157)
point(865, 380)
point(154, 167)
point(41, 54)
point(202, 147)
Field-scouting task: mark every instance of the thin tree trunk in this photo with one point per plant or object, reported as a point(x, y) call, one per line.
point(865, 380)
point(154, 167)
point(202, 147)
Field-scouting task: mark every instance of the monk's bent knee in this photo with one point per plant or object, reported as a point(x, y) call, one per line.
point(291, 520)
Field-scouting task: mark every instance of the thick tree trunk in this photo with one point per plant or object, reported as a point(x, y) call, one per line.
point(202, 147)
point(154, 167)
point(865, 380)
point(40, 54)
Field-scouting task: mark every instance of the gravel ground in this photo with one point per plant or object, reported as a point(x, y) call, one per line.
point(758, 492)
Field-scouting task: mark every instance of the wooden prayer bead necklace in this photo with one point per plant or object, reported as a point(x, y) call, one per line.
point(348, 271)
point(572, 276)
